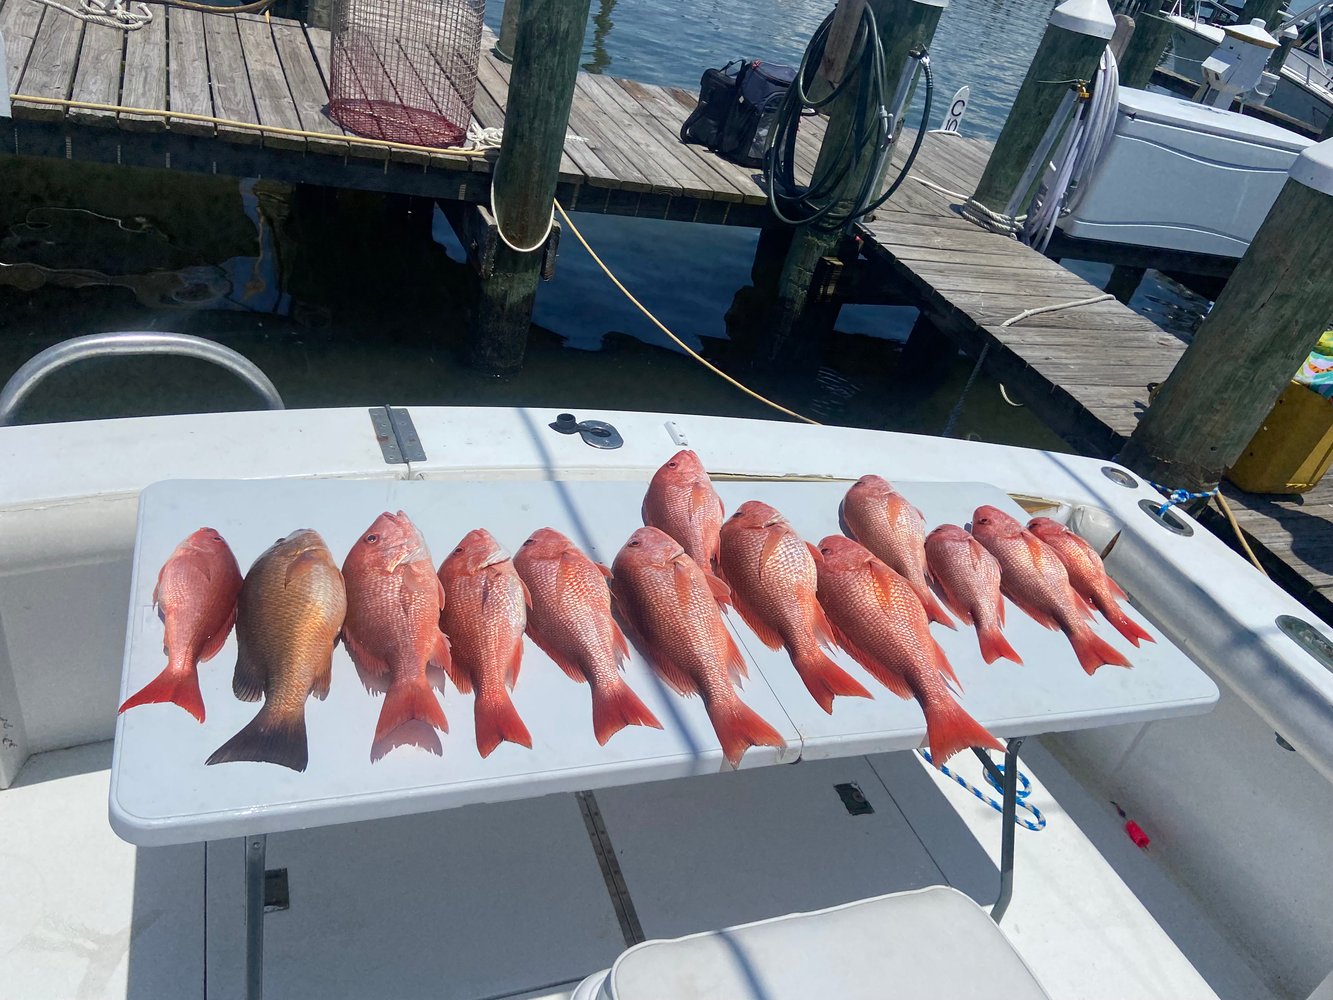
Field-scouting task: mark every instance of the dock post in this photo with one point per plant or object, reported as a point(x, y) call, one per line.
point(1270, 314)
point(547, 43)
point(1076, 35)
point(1265, 10)
point(5, 111)
point(1144, 53)
point(1125, 27)
point(798, 326)
point(1124, 282)
point(504, 44)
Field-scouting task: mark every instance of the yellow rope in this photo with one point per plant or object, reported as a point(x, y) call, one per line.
point(185, 116)
point(1240, 535)
point(661, 326)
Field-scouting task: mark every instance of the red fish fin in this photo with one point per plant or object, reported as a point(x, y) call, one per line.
point(1038, 549)
point(960, 609)
point(372, 670)
point(619, 645)
point(179, 687)
point(515, 661)
point(249, 677)
point(604, 570)
point(440, 656)
point(527, 594)
point(676, 678)
point(995, 646)
point(1125, 625)
point(825, 680)
point(323, 679)
point(413, 733)
point(497, 720)
point(407, 702)
point(1115, 588)
point(1042, 618)
point(270, 739)
point(740, 727)
point(999, 609)
point(950, 729)
point(737, 668)
point(891, 679)
point(302, 564)
point(218, 639)
point(1093, 651)
point(815, 554)
point(758, 626)
point(772, 539)
point(562, 661)
point(719, 588)
point(684, 579)
point(823, 629)
point(700, 496)
point(933, 610)
point(943, 665)
point(614, 707)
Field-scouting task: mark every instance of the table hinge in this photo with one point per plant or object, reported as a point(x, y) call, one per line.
point(397, 435)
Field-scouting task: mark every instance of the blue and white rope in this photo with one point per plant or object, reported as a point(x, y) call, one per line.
point(1038, 821)
point(1174, 497)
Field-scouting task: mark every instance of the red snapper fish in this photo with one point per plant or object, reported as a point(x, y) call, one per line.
point(666, 600)
point(881, 623)
point(195, 597)
point(1034, 578)
point(392, 630)
point(773, 582)
point(970, 579)
point(485, 613)
point(682, 503)
point(570, 619)
point(886, 523)
point(1088, 576)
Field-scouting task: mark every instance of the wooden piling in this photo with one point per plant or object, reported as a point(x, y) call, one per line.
point(798, 326)
point(1152, 32)
point(1124, 282)
point(1076, 35)
point(547, 43)
point(1265, 10)
point(1263, 325)
point(504, 44)
point(1124, 34)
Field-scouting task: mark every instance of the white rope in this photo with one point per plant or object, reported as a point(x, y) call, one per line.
point(483, 138)
point(117, 14)
point(500, 232)
point(1037, 311)
point(975, 211)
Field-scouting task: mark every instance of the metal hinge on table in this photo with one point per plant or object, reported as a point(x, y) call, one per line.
point(399, 442)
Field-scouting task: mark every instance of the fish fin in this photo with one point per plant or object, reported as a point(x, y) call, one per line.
point(407, 702)
point(815, 554)
point(999, 609)
point(740, 727)
point(497, 720)
point(1093, 651)
point(619, 644)
point(823, 629)
point(249, 677)
point(884, 576)
point(950, 729)
point(1124, 624)
point(842, 521)
point(562, 661)
point(362, 658)
point(674, 676)
point(737, 669)
point(825, 680)
point(961, 610)
point(440, 656)
point(515, 661)
point(1116, 590)
point(303, 563)
point(943, 665)
point(213, 645)
point(700, 494)
point(323, 679)
point(527, 594)
point(994, 645)
point(1036, 547)
point(772, 539)
point(758, 626)
point(891, 679)
point(1042, 618)
point(719, 587)
point(933, 610)
point(179, 687)
point(456, 672)
point(614, 707)
point(268, 738)
point(684, 581)
point(413, 733)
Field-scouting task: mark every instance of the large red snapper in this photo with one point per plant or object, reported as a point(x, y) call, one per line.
point(682, 503)
point(970, 579)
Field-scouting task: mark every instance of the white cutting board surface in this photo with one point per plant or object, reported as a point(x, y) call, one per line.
point(163, 793)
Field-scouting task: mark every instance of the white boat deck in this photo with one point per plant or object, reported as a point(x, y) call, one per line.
point(509, 900)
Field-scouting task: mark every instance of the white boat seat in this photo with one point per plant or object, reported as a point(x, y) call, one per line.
point(923, 945)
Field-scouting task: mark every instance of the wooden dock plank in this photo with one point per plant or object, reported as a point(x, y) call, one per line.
point(51, 66)
point(616, 129)
point(188, 89)
point(144, 80)
point(310, 96)
point(19, 23)
point(97, 78)
point(227, 78)
point(274, 104)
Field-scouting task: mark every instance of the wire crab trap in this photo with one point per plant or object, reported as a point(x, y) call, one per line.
point(405, 70)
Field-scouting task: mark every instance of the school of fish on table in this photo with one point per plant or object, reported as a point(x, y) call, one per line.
point(874, 593)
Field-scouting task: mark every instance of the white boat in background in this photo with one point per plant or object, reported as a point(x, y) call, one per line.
point(527, 899)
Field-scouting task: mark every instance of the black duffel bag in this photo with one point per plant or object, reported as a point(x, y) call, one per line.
point(737, 108)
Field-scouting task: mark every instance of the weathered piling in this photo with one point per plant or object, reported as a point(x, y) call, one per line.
point(1076, 35)
point(547, 43)
point(797, 325)
point(1124, 34)
point(1268, 317)
point(1152, 32)
point(504, 44)
point(1266, 11)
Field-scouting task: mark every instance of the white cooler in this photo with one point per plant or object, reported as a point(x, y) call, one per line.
point(1183, 176)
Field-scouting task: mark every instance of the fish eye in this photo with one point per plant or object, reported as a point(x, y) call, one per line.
point(633, 542)
point(528, 542)
point(217, 538)
point(372, 538)
point(826, 550)
point(458, 550)
point(673, 464)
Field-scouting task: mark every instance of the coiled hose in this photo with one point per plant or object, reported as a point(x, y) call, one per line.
point(817, 203)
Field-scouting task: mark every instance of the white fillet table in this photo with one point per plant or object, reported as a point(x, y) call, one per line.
point(163, 793)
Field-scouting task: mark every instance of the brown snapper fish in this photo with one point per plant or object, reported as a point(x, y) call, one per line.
point(570, 619)
point(773, 581)
point(666, 600)
point(392, 631)
point(195, 597)
point(682, 503)
point(290, 612)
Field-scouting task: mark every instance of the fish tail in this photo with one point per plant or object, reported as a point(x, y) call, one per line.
point(825, 680)
point(1124, 624)
point(1093, 651)
point(614, 707)
point(994, 645)
point(497, 720)
point(739, 727)
point(404, 703)
point(270, 738)
point(175, 685)
point(950, 729)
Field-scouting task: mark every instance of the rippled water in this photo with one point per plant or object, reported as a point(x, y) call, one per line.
point(352, 299)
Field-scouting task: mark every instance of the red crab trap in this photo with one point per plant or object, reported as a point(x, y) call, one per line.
point(405, 70)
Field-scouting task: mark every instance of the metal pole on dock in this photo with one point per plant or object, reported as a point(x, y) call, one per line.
point(1144, 53)
point(1076, 35)
point(547, 44)
point(798, 325)
point(1263, 325)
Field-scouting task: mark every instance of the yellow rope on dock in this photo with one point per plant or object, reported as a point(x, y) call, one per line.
point(186, 116)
